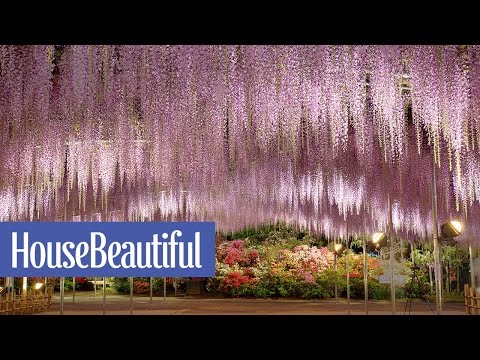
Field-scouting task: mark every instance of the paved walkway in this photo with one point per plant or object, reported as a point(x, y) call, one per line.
point(86, 304)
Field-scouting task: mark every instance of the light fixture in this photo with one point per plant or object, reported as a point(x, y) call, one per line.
point(451, 229)
point(338, 249)
point(38, 285)
point(1, 289)
point(377, 238)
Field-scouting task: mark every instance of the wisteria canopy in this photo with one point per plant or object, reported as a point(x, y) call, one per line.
point(315, 136)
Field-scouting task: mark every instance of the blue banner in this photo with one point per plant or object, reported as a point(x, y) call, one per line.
point(118, 249)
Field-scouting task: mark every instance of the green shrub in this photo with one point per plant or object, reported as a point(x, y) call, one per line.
point(157, 285)
point(327, 280)
point(55, 282)
point(357, 287)
point(287, 287)
point(416, 289)
point(121, 285)
point(260, 290)
point(315, 291)
point(399, 293)
point(377, 291)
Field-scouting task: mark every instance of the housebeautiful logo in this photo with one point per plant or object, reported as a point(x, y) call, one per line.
point(56, 249)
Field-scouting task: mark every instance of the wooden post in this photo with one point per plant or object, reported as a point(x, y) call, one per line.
point(472, 300)
point(478, 304)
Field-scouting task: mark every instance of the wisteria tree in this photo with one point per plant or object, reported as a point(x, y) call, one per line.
point(316, 136)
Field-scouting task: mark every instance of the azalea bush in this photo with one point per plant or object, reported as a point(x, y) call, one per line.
point(283, 263)
point(141, 286)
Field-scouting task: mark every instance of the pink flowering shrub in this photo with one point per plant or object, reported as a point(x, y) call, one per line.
point(141, 287)
point(281, 270)
point(234, 252)
point(304, 259)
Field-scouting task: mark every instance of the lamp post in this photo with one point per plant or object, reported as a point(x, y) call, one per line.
point(38, 288)
point(377, 239)
point(448, 231)
point(337, 249)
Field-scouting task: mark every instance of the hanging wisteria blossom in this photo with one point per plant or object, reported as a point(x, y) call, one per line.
point(315, 136)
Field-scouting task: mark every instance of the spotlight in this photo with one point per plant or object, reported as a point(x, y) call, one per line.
point(338, 249)
point(38, 285)
point(377, 238)
point(451, 229)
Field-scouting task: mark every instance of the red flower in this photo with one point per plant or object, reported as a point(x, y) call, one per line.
point(235, 280)
point(237, 244)
point(233, 256)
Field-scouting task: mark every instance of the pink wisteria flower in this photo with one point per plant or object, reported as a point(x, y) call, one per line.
point(243, 135)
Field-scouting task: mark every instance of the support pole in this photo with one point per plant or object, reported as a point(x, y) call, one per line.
point(365, 264)
point(131, 296)
point(472, 268)
point(151, 290)
point(348, 273)
point(62, 294)
point(392, 256)
point(335, 269)
point(24, 287)
point(104, 302)
point(164, 289)
point(436, 244)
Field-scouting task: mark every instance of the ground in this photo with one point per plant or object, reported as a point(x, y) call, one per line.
point(86, 304)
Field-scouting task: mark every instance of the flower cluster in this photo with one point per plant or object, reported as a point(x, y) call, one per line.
point(304, 262)
point(234, 252)
point(235, 280)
